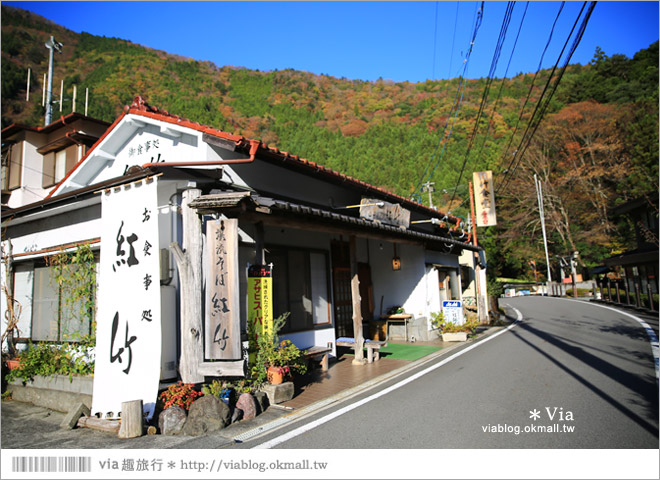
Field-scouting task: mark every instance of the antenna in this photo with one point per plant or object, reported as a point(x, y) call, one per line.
point(27, 93)
point(52, 46)
point(86, 99)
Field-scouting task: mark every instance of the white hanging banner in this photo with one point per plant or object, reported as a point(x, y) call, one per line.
point(128, 330)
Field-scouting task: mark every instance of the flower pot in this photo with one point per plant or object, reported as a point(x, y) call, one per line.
point(275, 375)
point(13, 364)
point(455, 337)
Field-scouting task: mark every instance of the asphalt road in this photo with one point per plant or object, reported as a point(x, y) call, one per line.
point(568, 375)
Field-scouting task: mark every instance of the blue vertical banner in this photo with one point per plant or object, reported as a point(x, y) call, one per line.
point(128, 331)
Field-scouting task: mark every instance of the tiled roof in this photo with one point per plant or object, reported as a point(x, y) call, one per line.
point(141, 107)
point(212, 202)
point(62, 121)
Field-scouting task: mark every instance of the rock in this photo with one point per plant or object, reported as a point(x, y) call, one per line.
point(172, 420)
point(237, 415)
point(248, 404)
point(279, 393)
point(71, 419)
point(262, 402)
point(207, 414)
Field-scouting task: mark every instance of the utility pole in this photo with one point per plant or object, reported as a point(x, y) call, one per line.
point(51, 45)
point(428, 186)
point(539, 196)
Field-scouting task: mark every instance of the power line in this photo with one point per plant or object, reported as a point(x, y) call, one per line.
point(499, 95)
point(484, 97)
point(456, 106)
point(538, 119)
point(435, 42)
point(529, 93)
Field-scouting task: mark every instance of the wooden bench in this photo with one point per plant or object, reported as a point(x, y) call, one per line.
point(314, 352)
point(372, 346)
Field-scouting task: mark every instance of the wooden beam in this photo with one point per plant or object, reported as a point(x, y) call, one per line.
point(260, 255)
point(100, 424)
point(357, 308)
point(189, 264)
point(307, 224)
point(222, 369)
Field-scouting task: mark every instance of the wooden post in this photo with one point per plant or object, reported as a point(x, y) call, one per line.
point(357, 309)
point(482, 313)
point(260, 254)
point(189, 264)
point(132, 419)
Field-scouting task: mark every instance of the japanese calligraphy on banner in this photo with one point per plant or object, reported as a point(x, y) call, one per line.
point(223, 328)
point(128, 331)
point(484, 199)
point(260, 297)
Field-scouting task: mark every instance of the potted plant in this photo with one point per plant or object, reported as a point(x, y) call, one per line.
point(224, 390)
point(453, 332)
point(275, 360)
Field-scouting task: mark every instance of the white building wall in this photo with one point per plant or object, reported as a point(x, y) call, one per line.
point(30, 190)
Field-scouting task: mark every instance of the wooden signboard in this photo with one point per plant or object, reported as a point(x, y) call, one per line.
point(222, 340)
point(384, 212)
point(484, 198)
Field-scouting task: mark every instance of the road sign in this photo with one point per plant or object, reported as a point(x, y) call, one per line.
point(453, 311)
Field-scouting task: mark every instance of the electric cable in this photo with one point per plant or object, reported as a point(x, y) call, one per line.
point(484, 98)
point(529, 93)
point(462, 84)
point(574, 46)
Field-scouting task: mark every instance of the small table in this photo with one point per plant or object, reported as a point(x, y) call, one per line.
point(399, 317)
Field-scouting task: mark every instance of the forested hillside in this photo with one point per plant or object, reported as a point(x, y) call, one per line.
point(596, 147)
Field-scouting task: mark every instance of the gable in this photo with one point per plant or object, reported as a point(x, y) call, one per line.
point(132, 141)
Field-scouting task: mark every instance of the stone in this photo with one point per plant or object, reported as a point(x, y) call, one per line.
point(248, 404)
point(262, 401)
point(172, 420)
point(279, 393)
point(207, 414)
point(71, 419)
point(237, 415)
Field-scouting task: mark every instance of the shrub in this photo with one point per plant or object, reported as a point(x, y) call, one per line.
point(179, 395)
point(53, 359)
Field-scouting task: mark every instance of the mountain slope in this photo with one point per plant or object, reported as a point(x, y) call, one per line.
point(389, 134)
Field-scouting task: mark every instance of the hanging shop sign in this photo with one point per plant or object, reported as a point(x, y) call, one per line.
point(128, 332)
point(222, 339)
point(384, 212)
point(484, 198)
point(260, 298)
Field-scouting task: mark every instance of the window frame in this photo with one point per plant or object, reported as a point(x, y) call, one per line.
point(42, 265)
point(311, 324)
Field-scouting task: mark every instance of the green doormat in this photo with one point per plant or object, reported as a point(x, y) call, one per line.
point(407, 352)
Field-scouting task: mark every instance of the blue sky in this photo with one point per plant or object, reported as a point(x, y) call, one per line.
point(399, 41)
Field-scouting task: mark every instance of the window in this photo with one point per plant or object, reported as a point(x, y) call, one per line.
point(12, 166)
point(53, 317)
point(301, 287)
point(57, 164)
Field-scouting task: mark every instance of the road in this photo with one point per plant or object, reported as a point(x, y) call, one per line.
point(569, 374)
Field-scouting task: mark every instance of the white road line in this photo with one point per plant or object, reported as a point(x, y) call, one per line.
point(310, 426)
point(653, 339)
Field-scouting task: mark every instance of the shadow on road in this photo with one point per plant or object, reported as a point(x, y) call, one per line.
point(646, 389)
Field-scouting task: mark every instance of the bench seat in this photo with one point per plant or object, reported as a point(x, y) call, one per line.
point(316, 351)
point(372, 346)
